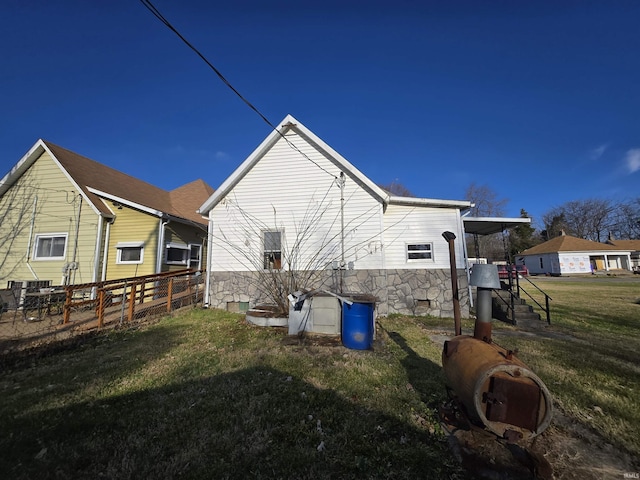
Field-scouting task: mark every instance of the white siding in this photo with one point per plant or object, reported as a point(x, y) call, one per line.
point(550, 263)
point(301, 197)
point(415, 225)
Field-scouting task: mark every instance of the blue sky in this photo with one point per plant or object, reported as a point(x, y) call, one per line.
point(538, 100)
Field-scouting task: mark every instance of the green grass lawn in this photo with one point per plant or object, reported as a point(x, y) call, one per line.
point(204, 395)
point(596, 377)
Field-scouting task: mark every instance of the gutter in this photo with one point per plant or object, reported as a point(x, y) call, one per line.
point(207, 278)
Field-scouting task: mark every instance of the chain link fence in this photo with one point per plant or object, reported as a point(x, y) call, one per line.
point(35, 316)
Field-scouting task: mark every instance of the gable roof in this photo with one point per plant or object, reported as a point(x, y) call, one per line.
point(567, 243)
point(633, 245)
point(290, 123)
point(96, 180)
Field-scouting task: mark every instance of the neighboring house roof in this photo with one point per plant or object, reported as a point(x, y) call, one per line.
point(567, 243)
point(96, 180)
point(290, 123)
point(633, 245)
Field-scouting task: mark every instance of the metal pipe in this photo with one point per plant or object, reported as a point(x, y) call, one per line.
point(482, 329)
point(450, 237)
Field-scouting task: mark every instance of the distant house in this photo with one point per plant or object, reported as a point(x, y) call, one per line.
point(632, 245)
point(298, 209)
point(66, 219)
point(567, 255)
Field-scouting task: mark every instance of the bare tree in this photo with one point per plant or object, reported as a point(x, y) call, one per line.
point(486, 201)
point(487, 204)
point(626, 220)
point(590, 219)
point(18, 205)
point(310, 257)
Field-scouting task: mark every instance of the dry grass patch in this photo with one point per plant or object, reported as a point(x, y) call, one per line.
point(204, 395)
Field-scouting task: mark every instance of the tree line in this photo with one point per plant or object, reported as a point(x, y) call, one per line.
point(594, 219)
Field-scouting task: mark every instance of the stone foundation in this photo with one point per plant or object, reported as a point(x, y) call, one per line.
point(409, 292)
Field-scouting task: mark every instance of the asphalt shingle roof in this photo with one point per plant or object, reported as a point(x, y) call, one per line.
point(567, 243)
point(181, 202)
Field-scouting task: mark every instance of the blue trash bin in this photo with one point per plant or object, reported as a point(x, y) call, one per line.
point(357, 325)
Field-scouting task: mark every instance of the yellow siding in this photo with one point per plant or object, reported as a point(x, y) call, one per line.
point(58, 209)
point(183, 234)
point(132, 225)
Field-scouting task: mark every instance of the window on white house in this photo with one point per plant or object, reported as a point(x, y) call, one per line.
point(419, 251)
point(541, 263)
point(130, 252)
point(177, 254)
point(51, 246)
point(272, 250)
point(195, 251)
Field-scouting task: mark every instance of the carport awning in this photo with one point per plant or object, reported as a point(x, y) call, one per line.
point(489, 225)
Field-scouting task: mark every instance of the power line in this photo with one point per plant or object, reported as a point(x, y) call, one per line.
point(156, 13)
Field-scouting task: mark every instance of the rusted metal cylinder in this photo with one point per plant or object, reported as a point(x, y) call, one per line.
point(496, 388)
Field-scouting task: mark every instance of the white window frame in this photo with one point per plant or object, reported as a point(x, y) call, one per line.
point(265, 251)
point(409, 252)
point(178, 246)
point(42, 236)
point(122, 245)
point(191, 247)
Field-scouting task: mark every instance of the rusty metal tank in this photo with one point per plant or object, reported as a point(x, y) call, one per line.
point(496, 388)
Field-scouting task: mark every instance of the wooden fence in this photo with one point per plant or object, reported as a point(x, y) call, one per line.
point(59, 312)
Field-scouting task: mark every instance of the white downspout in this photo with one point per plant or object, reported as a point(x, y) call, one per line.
point(105, 252)
point(207, 279)
point(159, 256)
point(96, 260)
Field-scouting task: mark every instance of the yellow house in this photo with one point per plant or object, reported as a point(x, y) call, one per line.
point(66, 219)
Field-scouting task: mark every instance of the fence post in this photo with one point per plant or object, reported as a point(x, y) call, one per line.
point(169, 295)
point(142, 288)
point(100, 308)
point(67, 304)
point(132, 301)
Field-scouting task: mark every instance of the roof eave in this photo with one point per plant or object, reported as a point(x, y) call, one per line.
point(428, 202)
point(22, 165)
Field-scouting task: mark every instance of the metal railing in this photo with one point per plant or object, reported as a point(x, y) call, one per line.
point(546, 309)
point(515, 294)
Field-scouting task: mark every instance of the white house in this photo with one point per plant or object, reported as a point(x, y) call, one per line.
point(297, 211)
point(567, 255)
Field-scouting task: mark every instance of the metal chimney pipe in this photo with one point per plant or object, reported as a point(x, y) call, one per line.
point(485, 278)
point(450, 237)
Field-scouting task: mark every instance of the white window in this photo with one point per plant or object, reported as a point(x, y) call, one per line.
point(195, 251)
point(419, 251)
point(177, 254)
point(51, 246)
point(272, 250)
point(130, 252)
